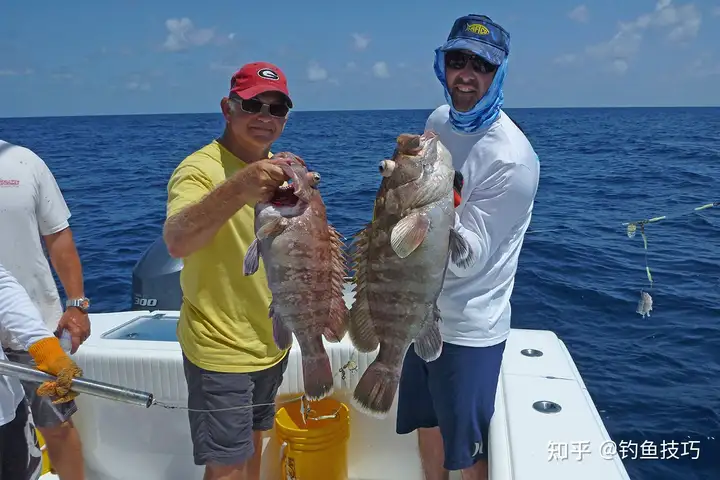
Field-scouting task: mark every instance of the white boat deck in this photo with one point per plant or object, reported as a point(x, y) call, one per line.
point(541, 401)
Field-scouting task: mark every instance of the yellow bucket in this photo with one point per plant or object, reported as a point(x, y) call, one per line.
point(318, 449)
point(46, 467)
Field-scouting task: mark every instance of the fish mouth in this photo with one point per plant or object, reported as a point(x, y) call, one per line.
point(298, 189)
point(428, 135)
point(285, 196)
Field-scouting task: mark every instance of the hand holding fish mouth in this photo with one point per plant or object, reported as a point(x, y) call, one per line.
point(261, 179)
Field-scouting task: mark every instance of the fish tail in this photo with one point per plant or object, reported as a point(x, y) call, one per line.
point(317, 375)
point(375, 392)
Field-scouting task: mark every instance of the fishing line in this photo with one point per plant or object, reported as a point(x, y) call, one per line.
point(351, 366)
point(645, 303)
point(644, 306)
point(633, 225)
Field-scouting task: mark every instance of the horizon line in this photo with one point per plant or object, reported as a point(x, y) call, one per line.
point(607, 107)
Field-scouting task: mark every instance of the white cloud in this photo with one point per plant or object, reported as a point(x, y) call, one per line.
point(716, 11)
point(138, 85)
point(619, 66)
point(62, 76)
point(351, 66)
point(361, 41)
point(678, 23)
point(14, 73)
point(565, 59)
point(183, 34)
point(316, 73)
point(704, 66)
point(380, 70)
point(224, 67)
point(579, 14)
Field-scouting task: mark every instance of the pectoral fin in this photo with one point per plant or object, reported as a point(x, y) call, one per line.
point(272, 229)
point(428, 343)
point(252, 258)
point(409, 233)
point(461, 253)
point(281, 333)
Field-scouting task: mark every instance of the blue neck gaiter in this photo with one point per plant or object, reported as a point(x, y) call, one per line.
point(484, 113)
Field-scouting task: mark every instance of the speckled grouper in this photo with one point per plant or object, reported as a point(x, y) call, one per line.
point(305, 266)
point(400, 261)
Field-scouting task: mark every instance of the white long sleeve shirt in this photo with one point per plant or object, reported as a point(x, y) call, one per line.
point(501, 174)
point(21, 320)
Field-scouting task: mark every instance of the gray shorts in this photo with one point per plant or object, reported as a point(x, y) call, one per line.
point(45, 413)
point(226, 437)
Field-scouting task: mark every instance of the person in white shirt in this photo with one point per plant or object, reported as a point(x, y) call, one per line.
point(33, 212)
point(450, 401)
point(20, 458)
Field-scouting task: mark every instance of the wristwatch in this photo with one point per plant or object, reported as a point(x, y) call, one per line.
point(81, 303)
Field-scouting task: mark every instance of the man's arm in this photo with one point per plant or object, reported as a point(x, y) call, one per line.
point(66, 262)
point(53, 215)
point(196, 210)
point(492, 211)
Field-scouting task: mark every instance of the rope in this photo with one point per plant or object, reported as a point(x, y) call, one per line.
point(632, 226)
point(350, 366)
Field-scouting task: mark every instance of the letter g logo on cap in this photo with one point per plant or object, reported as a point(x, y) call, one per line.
point(267, 73)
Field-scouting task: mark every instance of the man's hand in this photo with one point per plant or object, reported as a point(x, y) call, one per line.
point(50, 358)
point(77, 323)
point(260, 179)
point(60, 389)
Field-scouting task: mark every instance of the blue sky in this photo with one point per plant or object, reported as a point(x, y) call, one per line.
point(115, 57)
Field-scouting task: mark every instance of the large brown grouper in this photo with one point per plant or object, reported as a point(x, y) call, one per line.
point(400, 261)
point(305, 266)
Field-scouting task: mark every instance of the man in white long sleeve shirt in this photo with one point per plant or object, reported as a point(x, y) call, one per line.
point(451, 400)
point(21, 320)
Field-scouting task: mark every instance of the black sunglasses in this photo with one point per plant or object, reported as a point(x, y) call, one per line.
point(457, 60)
point(254, 106)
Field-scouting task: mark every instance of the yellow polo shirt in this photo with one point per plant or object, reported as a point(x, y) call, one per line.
point(224, 324)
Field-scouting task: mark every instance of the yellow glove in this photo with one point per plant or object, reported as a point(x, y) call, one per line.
point(51, 358)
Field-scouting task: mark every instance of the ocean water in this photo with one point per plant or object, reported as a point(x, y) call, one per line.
point(653, 379)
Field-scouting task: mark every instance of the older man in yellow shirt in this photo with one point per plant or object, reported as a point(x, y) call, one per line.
point(226, 336)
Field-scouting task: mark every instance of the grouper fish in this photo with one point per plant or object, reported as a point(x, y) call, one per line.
point(400, 261)
point(304, 261)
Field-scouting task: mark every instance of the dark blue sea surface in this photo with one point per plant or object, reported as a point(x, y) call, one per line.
point(655, 379)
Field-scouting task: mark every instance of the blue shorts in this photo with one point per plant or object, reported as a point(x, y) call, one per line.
point(456, 392)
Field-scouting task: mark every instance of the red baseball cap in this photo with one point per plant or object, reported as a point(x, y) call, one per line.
point(259, 77)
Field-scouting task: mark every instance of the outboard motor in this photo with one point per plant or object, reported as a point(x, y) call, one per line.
point(156, 280)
